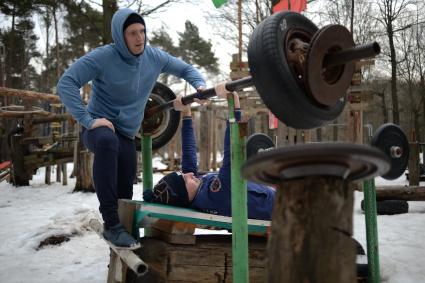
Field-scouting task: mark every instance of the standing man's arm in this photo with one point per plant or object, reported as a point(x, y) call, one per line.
point(78, 74)
point(181, 69)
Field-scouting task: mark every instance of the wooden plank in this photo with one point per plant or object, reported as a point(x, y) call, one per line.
point(173, 227)
point(183, 239)
point(209, 260)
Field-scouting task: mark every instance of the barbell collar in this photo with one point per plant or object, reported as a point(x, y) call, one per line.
point(355, 53)
point(205, 94)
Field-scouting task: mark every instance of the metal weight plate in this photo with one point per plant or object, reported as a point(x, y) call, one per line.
point(276, 55)
point(163, 125)
point(328, 85)
point(350, 162)
point(256, 143)
point(392, 141)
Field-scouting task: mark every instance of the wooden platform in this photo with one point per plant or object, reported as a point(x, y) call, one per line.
point(209, 260)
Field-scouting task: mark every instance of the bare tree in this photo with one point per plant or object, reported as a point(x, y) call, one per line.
point(358, 17)
point(419, 30)
point(408, 76)
point(390, 12)
point(226, 20)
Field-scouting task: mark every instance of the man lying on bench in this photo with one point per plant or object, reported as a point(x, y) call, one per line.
point(209, 193)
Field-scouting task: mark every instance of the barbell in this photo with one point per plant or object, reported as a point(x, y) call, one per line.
point(300, 72)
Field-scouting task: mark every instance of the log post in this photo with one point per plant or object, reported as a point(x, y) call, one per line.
point(310, 239)
point(413, 164)
point(20, 176)
point(65, 174)
point(311, 220)
point(48, 175)
point(83, 160)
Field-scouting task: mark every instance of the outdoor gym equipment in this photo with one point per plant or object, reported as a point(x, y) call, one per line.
point(301, 73)
point(391, 141)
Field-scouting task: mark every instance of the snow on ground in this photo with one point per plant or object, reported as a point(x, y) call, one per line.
point(28, 215)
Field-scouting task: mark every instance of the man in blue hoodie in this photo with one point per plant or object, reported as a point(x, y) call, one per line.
point(123, 75)
point(210, 193)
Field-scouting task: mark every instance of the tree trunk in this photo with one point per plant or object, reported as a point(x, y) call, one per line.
point(109, 8)
point(55, 21)
point(47, 23)
point(394, 97)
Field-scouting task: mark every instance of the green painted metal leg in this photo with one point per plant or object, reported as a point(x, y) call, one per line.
point(239, 202)
point(147, 168)
point(147, 163)
point(371, 231)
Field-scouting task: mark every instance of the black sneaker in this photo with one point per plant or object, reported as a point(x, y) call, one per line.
point(120, 238)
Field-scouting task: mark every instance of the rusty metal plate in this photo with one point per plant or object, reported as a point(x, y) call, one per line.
point(328, 85)
point(164, 124)
point(350, 162)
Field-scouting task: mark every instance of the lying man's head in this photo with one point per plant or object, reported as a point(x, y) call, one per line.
point(175, 189)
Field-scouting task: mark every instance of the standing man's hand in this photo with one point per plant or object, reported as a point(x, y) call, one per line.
point(102, 122)
point(179, 106)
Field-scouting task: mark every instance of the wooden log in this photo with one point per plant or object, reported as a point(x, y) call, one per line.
point(28, 94)
point(411, 193)
point(83, 160)
point(16, 115)
point(310, 234)
point(52, 118)
point(20, 174)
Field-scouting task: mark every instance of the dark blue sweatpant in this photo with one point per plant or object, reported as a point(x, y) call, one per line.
point(114, 169)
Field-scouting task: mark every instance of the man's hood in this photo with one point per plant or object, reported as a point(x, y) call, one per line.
point(118, 20)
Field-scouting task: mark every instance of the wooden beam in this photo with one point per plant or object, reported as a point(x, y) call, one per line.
point(411, 193)
point(15, 115)
point(28, 94)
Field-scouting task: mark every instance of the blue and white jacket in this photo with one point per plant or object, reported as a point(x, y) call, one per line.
point(214, 195)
